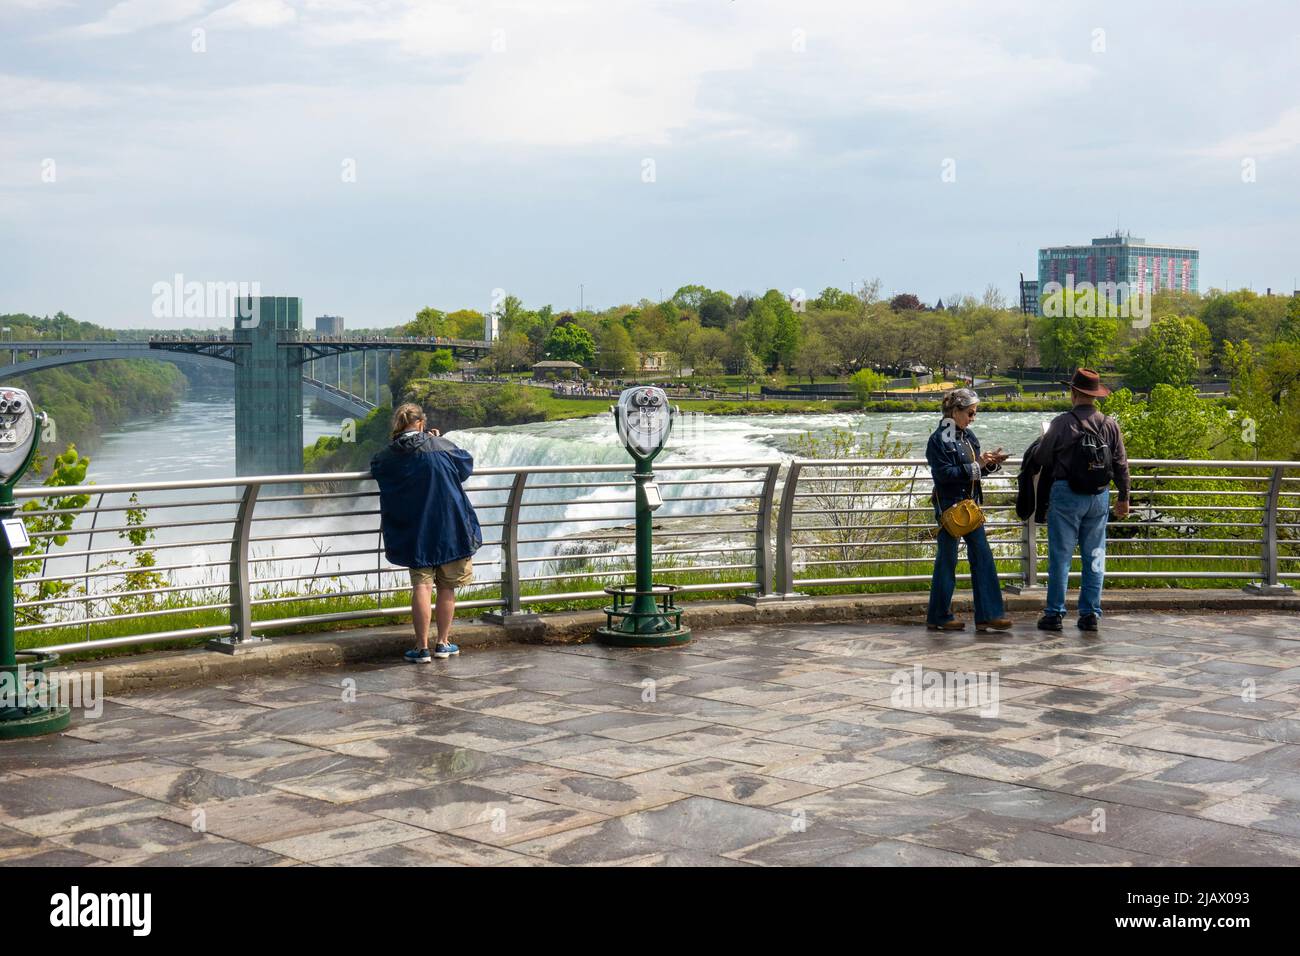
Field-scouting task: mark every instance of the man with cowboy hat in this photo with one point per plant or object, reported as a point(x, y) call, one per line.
point(1084, 451)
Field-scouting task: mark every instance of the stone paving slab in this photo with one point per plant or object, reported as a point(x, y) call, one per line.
point(1168, 738)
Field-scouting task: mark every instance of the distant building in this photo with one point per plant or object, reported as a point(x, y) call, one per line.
point(1029, 303)
point(1142, 266)
point(654, 361)
point(329, 324)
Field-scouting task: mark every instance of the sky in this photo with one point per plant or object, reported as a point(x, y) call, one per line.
point(378, 156)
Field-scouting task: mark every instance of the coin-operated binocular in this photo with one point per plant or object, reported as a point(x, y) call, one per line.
point(644, 615)
point(27, 704)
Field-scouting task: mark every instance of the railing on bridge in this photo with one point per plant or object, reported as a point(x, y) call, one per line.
point(148, 563)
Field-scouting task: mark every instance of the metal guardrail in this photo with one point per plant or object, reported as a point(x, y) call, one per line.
point(152, 562)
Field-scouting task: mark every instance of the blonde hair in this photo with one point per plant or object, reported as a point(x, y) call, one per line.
point(406, 418)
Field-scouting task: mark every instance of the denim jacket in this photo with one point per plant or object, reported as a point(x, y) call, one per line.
point(953, 454)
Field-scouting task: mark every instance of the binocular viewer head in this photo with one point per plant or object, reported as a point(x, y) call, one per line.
point(18, 435)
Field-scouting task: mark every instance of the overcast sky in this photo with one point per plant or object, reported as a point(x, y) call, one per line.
point(377, 156)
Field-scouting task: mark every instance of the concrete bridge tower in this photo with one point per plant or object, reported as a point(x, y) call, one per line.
point(268, 387)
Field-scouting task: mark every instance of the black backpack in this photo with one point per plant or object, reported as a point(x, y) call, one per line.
point(1091, 468)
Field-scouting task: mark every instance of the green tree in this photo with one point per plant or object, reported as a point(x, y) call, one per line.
point(48, 520)
point(1289, 329)
point(1171, 423)
point(864, 382)
point(441, 362)
point(1171, 352)
point(1076, 341)
point(785, 329)
point(716, 310)
point(428, 323)
point(617, 355)
point(681, 342)
point(465, 324)
point(831, 299)
point(690, 297)
point(571, 343)
point(814, 356)
point(1266, 386)
point(139, 586)
point(760, 329)
point(510, 351)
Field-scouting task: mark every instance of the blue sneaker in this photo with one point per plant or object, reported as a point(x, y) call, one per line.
point(444, 651)
point(420, 656)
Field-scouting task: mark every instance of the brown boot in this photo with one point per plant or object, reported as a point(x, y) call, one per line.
point(997, 624)
point(947, 626)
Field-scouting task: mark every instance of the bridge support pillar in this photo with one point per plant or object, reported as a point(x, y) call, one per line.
point(268, 388)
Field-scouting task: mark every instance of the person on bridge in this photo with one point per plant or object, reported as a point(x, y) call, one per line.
point(1083, 451)
point(956, 465)
point(428, 522)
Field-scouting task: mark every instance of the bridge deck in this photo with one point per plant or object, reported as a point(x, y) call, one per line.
point(1171, 738)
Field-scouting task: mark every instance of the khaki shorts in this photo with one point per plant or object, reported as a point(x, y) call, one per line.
point(453, 574)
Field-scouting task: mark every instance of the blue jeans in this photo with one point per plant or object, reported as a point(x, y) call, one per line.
point(986, 590)
point(1075, 519)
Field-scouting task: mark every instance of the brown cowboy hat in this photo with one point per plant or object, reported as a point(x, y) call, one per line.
point(1088, 382)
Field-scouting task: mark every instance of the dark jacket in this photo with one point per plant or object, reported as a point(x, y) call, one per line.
point(1055, 448)
point(1031, 500)
point(953, 454)
point(426, 516)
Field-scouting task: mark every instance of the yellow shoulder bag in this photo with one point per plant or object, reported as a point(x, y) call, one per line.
point(965, 516)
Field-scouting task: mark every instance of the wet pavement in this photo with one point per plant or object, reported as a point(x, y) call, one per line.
point(1164, 740)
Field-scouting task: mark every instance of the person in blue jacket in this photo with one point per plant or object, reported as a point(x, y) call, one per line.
point(428, 523)
point(957, 465)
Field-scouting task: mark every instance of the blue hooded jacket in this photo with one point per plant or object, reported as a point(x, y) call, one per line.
point(426, 516)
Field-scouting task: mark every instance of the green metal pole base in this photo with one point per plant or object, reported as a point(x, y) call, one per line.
point(612, 637)
point(47, 721)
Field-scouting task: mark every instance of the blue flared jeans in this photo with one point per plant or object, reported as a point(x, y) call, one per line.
point(986, 590)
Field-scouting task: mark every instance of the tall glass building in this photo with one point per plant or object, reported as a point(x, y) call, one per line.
point(1144, 267)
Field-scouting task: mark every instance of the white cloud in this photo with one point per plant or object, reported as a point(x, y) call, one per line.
point(130, 16)
point(253, 13)
point(1281, 136)
point(29, 94)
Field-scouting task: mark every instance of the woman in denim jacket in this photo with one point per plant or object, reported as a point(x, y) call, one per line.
point(956, 464)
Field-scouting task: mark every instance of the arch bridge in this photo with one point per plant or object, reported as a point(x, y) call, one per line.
point(276, 366)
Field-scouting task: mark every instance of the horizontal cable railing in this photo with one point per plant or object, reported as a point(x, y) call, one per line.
point(135, 564)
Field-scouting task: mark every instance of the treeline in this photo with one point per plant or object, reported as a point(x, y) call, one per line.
point(713, 332)
point(88, 399)
point(838, 333)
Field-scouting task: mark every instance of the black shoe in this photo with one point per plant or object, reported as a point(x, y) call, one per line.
point(1088, 622)
point(1049, 622)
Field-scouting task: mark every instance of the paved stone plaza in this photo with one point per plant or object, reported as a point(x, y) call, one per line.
point(1167, 739)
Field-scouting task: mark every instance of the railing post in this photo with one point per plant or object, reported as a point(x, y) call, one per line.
point(241, 585)
point(511, 585)
point(763, 541)
point(785, 536)
point(1269, 584)
point(1028, 560)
